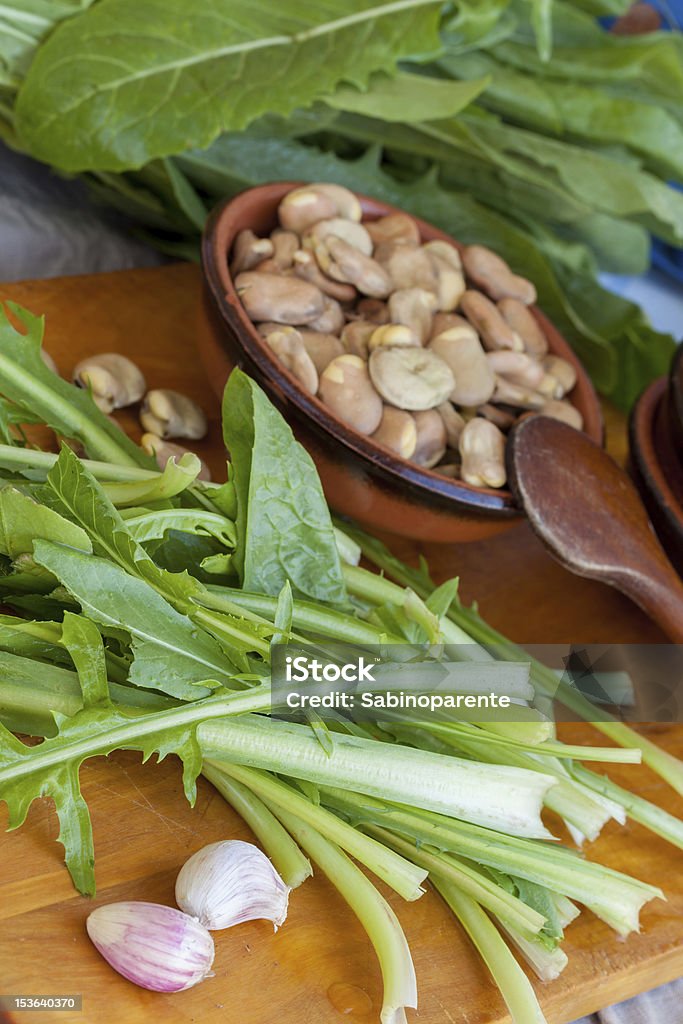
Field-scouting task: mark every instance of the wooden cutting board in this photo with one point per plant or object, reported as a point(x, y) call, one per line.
point(320, 968)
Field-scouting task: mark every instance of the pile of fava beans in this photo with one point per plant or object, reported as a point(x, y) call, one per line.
point(429, 351)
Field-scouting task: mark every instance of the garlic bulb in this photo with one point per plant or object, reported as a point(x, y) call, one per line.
point(156, 947)
point(229, 882)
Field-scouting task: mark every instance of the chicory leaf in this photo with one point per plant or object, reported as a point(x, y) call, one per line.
point(83, 641)
point(52, 768)
point(172, 654)
point(110, 91)
point(283, 523)
point(22, 520)
point(406, 98)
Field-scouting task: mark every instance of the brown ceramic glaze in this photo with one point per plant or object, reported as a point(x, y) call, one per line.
point(656, 467)
point(587, 512)
point(361, 478)
point(674, 404)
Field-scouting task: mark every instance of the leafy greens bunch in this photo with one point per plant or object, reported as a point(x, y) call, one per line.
point(520, 124)
point(139, 608)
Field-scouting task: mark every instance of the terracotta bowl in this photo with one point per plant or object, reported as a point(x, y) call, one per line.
point(361, 479)
point(656, 467)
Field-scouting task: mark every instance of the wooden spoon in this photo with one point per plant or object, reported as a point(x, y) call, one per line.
point(589, 515)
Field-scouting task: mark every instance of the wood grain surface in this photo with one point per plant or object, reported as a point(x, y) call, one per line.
point(319, 968)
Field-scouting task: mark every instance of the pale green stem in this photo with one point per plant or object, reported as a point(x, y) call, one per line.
point(474, 883)
point(287, 858)
point(514, 986)
point(373, 912)
point(405, 878)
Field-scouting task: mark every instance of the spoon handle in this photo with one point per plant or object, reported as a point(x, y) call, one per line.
point(659, 592)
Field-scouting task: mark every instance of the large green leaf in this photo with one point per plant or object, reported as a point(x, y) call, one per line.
point(171, 653)
point(283, 522)
point(128, 82)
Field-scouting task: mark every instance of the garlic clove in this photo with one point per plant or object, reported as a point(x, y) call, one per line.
point(229, 882)
point(155, 947)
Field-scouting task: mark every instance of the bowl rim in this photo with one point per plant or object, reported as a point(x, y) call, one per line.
point(217, 240)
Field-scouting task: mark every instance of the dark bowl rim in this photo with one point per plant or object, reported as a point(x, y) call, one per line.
point(496, 503)
point(645, 456)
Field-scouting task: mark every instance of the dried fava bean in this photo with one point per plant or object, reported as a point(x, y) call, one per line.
point(517, 367)
point(413, 307)
point(331, 320)
point(397, 430)
point(563, 372)
point(410, 378)
point(349, 230)
point(445, 251)
point(431, 438)
point(169, 414)
point(304, 206)
point(444, 321)
point(494, 332)
point(449, 469)
point(565, 411)
point(482, 448)
point(392, 336)
point(450, 284)
point(306, 266)
point(285, 244)
point(395, 227)
point(374, 310)
point(346, 203)
point(492, 274)
point(356, 337)
point(453, 422)
point(286, 300)
point(346, 388)
point(525, 324)
point(516, 396)
point(248, 251)
point(461, 350)
point(407, 267)
point(113, 380)
point(288, 346)
point(322, 348)
point(501, 417)
point(163, 451)
point(343, 262)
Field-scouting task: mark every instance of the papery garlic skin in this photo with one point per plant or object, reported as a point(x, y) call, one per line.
point(156, 947)
point(229, 882)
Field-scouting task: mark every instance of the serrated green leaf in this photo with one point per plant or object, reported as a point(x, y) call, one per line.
point(172, 654)
point(69, 410)
point(52, 768)
point(109, 91)
point(22, 520)
point(283, 522)
point(74, 490)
